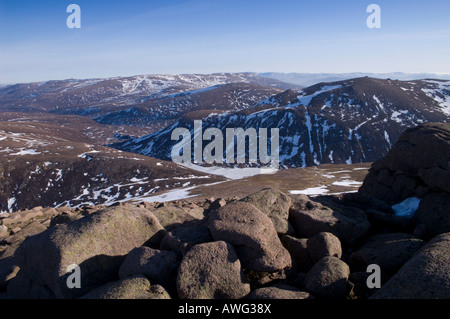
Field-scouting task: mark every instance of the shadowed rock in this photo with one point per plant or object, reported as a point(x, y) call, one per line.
point(298, 249)
point(310, 218)
point(328, 278)
point(425, 276)
point(211, 270)
point(22, 287)
point(182, 239)
point(433, 214)
point(389, 251)
point(159, 266)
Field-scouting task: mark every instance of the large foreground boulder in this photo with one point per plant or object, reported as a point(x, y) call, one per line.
point(324, 245)
point(328, 278)
point(211, 271)
point(96, 243)
point(253, 235)
point(417, 165)
point(425, 276)
point(274, 204)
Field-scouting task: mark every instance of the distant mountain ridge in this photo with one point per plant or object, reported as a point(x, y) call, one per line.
point(307, 79)
point(144, 100)
point(349, 121)
point(92, 95)
point(196, 103)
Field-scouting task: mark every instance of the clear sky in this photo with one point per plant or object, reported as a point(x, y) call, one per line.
point(119, 38)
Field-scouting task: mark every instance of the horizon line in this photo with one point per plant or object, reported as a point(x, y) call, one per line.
point(226, 72)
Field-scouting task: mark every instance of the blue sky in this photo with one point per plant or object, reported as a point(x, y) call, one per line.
point(119, 38)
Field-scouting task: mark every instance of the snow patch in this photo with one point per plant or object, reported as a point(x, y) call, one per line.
point(303, 155)
point(84, 155)
point(347, 183)
point(176, 194)
point(11, 202)
point(330, 156)
point(58, 174)
point(306, 99)
point(407, 208)
point(26, 152)
point(231, 173)
point(312, 191)
point(380, 105)
point(137, 180)
point(309, 126)
point(386, 136)
point(441, 98)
